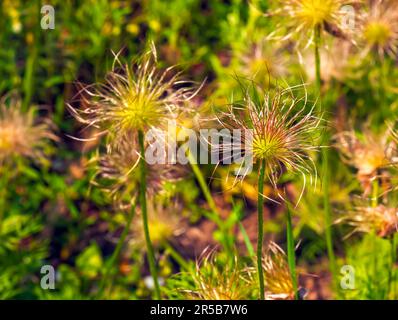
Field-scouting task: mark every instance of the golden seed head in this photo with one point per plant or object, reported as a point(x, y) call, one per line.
point(302, 17)
point(315, 12)
point(214, 280)
point(368, 152)
point(378, 28)
point(266, 148)
point(377, 33)
point(164, 223)
point(277, 276)
point(134, 97)
point(366, 219)
point(115, 171)
point(21, 133)
point(281, 130)
point(278, 283)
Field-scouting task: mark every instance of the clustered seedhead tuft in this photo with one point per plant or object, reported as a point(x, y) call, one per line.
point(370, 153)
point(379, 28)
point(215, 281)
point(134, 98)
point(366, 219)
point(283, 133)
point(303, 17)
point(21, 133)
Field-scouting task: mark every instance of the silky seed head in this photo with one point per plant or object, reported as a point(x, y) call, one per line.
point(378, 28)
point(302, 17)
point(22, 134)
point(280, 128)
point(134, 98)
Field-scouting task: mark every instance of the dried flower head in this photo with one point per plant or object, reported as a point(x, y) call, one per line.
point(164, 223)
point(378, 28)
point(22, 134)
point(369, 153)
point(115, 171)
point(214, 280)
point(277, 130)
point(366, 219)
point(133, 98)
point(303, 17)
point(278, 279)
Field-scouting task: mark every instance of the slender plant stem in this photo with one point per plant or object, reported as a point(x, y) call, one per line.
point(144, 213)
point(4, 172)
point(325, 163)
point(290, 251)
point(382, 90)
point(210, 201)
point(115, 255)
point(393, 261)
point(176, 256)
point(318, 64)
point(327, 214)
point(260, 228)
point(202, 183)
point(375, 194)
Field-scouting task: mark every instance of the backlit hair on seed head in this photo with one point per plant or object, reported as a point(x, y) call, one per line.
point(134, 97)
point(280, 129)
point(22, 134)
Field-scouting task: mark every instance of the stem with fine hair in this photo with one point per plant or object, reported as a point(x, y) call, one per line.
point(393, 272)
point(201, 180)
point(105, 278)
point(260, 235)
point(144, 213)
point(176, 256)
point(291, 259)
point(325, 163)
point(4, 179)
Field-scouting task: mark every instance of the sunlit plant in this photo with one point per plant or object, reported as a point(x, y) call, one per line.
point(133, 99)
point(283, 136)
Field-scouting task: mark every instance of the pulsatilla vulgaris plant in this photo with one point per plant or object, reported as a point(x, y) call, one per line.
point(370, 153)
point(132, 100)
point(378, 28)
point(212, 280)
point(279, 282)
point(305, 20)
point(309, 21)
point(379, 219)
point(23, 136)
point(283, 134)
point(114, 172)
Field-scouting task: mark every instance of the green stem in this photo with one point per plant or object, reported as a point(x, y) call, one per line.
point(3, 193)
point(382, 93)
point(176, 256)
point(328, 214)
point(202, 183)
point(393, 261)
point(290, 251)
point(318, 64)
point(375, 194)
point(325, 163)
point(260, 228)
point(150, 251)
point(115, 255)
